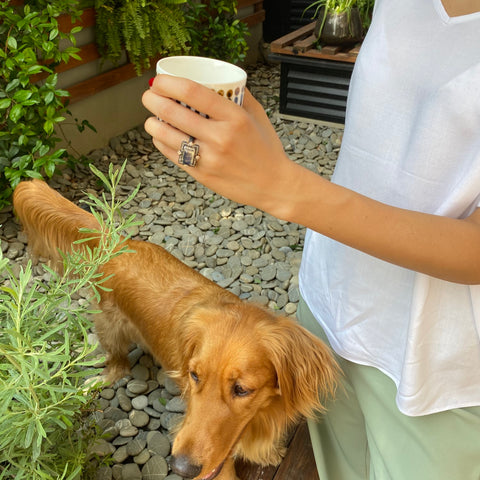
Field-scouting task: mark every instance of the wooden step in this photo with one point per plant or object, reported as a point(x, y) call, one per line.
point(298, 463)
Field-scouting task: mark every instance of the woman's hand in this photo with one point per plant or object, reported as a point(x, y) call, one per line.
point(241, 156)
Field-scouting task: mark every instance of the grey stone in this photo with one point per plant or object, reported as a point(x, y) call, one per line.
point(124, 402)
point(268, 273)
point(139, 418)
point(170, 420)
point(131, 471)
point(114, 414)
point(172, 387)
point(117, 472)
point(120, 454)
point(140, 372)
point(137, 386)
point(153, 412)
point(104, 473)
point(176, 405)
point(142, 457)
point(154, 424)
point(101, 448)
point(293, 294)
point(134, 356)
point(108, 393)
point(126, 429)
point(140, 402)
point(155, 469)
point(158, 444)
point(119, 441)
point(135, 446)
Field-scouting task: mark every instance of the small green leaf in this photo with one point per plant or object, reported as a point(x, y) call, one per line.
point(50, 168)
point(22, 95)
point(49, 97)
point(48, 126)
point(12, 43)
point(16, 113)
point(12, 85)
point(34, 69)
point(5, 103)
point(53, 34)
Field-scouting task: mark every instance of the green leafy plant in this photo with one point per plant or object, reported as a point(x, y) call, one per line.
point(215, 32)
point(147, 29)
point(144, 28)
point(31, 105)
point(45, 356)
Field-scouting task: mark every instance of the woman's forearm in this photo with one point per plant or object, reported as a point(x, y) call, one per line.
point(442, 247)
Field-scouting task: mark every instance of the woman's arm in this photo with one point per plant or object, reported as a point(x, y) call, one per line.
point(243, 159)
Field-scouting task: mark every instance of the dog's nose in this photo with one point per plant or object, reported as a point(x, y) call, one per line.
point(182, 466)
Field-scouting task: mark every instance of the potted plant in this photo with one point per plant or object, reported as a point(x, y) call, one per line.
point(341, 22)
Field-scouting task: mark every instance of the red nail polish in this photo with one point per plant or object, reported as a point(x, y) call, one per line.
point(150, 82)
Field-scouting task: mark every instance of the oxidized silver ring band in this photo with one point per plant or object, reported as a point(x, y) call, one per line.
point(188, 153)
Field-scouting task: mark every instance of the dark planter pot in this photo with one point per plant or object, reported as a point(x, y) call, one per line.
point(339, 29)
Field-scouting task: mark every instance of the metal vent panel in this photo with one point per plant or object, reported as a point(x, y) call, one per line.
point(314, 89)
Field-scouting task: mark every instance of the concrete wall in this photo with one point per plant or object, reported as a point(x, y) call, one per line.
point(111, 111)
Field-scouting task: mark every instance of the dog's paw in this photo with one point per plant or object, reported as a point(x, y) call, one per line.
point(115, 371)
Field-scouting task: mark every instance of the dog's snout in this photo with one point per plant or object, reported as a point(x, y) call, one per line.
point(182, 466)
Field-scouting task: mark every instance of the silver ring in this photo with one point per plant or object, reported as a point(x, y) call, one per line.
point(188, 153)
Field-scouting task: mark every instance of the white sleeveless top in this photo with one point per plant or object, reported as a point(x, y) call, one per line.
point(412, 140)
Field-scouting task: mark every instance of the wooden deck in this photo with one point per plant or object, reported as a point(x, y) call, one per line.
point(303, 43)
point(298, 463)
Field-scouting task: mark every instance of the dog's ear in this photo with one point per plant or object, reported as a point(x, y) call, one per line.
point(306, 370)
point(185, 343)
point(189, 343)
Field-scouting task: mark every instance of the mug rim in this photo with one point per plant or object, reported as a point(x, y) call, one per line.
point(214, 72)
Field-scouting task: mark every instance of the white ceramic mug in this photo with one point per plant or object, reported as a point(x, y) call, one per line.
point(225, 78)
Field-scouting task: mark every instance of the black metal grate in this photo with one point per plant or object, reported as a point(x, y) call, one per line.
point(315, 89)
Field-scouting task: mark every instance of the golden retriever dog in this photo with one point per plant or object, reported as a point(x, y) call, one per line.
point(247, 374)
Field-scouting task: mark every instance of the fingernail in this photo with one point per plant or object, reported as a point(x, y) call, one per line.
point(150, 82)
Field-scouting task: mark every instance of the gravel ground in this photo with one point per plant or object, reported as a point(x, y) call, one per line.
point(239, 247)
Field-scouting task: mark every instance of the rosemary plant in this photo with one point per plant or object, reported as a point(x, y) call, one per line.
point(45, 357)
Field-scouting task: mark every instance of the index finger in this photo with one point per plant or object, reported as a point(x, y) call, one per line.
point(195, 95)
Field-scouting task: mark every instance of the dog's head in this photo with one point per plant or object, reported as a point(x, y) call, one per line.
point(248, 375)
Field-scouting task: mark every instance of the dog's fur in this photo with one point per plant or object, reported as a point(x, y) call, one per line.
point(247, 374)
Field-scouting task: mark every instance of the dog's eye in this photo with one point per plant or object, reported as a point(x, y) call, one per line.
point(194, 376)
point(239, 391)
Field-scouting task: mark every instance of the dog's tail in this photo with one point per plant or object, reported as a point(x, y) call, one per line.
point(51, 222)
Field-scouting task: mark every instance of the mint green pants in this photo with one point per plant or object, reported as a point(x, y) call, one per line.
point(363, 435)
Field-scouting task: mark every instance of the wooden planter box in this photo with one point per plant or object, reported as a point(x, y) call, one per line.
point(114, 76)
point(314, 83)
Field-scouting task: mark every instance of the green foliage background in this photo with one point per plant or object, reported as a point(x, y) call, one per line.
point(144, 28)
point(214, 30)
point(148, 29)
point(30, 109)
